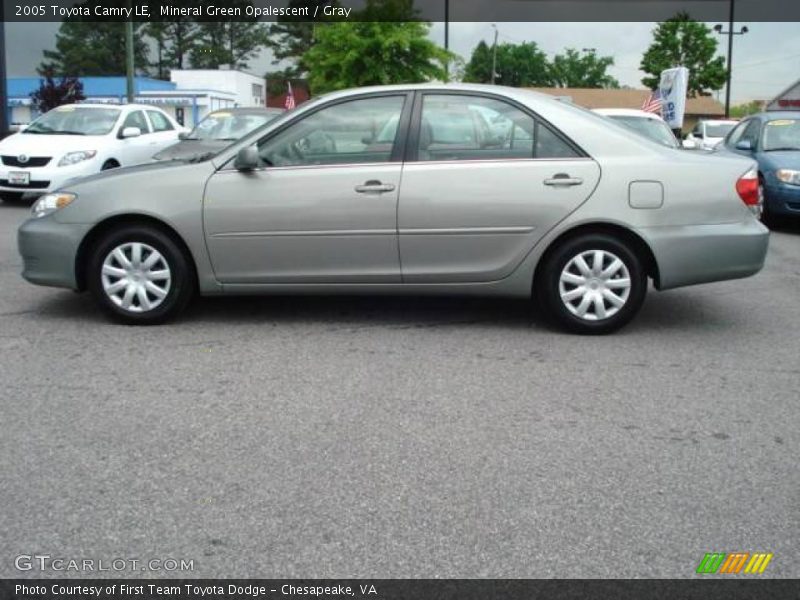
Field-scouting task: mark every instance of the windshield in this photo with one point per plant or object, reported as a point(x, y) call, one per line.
point(228, 126)
point(782, 134)
point(719, 130)
point(75, 120)
point(658, 131)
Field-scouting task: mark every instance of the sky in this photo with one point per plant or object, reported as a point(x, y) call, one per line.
point(766, 59)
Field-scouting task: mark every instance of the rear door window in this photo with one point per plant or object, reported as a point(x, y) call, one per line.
point(465, 127)
point(159, 121)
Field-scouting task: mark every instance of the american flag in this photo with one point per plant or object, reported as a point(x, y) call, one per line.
point(653, 103)
point(289, 104)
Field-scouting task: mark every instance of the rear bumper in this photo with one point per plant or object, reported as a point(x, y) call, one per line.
point(705, 253)
point(48, 251)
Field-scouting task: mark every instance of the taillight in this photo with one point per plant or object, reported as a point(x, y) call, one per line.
point(747, 188)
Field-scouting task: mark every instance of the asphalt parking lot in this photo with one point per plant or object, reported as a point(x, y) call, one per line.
point(402, 437)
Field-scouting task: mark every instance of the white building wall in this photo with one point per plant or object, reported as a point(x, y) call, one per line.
point(238, 83)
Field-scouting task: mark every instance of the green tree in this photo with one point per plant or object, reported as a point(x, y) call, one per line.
point(227, 43)
point(518, 65)
point(174, 40)
point(291, 37)
point(749, 108)
point(231, 43)
point(583, 70)
point(86, 48)
point(182, 35)
point(683, 42)
point(157, 31)
point(387, 46)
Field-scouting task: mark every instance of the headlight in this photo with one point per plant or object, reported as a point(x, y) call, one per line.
point(50, 203)
point(75, 157)
point(788, 176)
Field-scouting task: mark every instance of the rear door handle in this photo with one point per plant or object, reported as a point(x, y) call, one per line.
point(374, 187)
point(562, 179)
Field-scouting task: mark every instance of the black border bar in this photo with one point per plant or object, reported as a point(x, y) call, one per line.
point(734, 588)
point(489, 11)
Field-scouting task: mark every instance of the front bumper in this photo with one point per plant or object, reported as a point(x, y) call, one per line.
point(44, 180)
point(782, 198)
point(704, 253)
point(48, 249)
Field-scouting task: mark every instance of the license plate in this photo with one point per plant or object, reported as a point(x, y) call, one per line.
point(19, 178)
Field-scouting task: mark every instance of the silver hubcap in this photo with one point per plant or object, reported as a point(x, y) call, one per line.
point(594, 285)
point(136, 277)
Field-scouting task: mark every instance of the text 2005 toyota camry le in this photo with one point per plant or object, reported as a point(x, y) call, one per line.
point(417, 189)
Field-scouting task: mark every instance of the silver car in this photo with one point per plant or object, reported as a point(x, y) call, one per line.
point(400, 190)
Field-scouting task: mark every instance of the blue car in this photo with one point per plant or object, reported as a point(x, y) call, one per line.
point(772, 139)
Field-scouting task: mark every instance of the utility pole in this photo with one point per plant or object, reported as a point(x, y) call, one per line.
point(4, 109)
point(129, 58)
point(730, 33)
point(494, 54)
point(447, 24)
point(447, 37)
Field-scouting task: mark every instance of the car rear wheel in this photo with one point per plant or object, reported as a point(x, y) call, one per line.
point(140, 276)
point(592, 284)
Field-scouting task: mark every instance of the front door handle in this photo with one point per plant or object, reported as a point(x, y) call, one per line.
point(562, 179)
point(374, 186)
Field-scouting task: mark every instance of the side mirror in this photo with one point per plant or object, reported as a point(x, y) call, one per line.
point(690, 144)
point(183, 135)
point(744, 145)
point(367, 140)
point(247, 159)
point(130, 132)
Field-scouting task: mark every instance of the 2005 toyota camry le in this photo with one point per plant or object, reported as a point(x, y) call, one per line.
point(424, 189)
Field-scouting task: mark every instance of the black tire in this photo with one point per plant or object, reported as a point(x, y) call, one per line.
point(109, 164)
point(548, 284)
point(182, 282)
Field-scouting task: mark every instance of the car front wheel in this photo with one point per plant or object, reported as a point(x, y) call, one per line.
point(592, 284)
point(140, 276)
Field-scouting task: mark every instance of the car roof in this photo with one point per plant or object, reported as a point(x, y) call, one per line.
point(719, 121)
point(444, 87)
point(248, 110)
point(773, 115)
point(131, 106)
point(627, 112)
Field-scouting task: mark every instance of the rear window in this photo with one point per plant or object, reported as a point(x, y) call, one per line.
point(658, 131)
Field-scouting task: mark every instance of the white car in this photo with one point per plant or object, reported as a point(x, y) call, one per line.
point(76, 140)
point(644, 123)
point(707, 134)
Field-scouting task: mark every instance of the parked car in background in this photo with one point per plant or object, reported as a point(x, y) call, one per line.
point(708, 133)
point(76, 140)
point(773, 140)
point(645, 123)
point(217, 130)
point(572, 209)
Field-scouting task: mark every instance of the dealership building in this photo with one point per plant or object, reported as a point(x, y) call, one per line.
point(189, 95)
